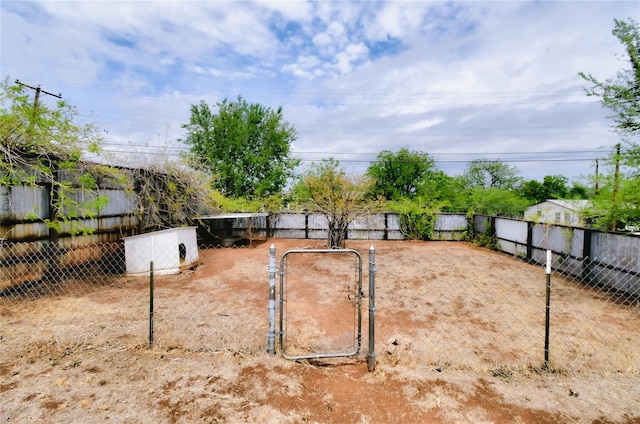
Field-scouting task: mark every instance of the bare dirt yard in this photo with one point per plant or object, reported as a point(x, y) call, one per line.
point(459, 338)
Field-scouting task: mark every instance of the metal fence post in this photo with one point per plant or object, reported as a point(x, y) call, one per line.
point(271, 338)
point(150, 304)
point(371, 356)
point(548, 312)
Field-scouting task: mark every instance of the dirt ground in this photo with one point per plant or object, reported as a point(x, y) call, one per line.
point(459, 338)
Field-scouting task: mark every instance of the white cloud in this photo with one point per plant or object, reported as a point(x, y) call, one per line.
point(351, 55)
point(354, 77)
point(398, 19)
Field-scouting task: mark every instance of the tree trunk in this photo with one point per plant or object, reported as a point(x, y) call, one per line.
point(337, 234)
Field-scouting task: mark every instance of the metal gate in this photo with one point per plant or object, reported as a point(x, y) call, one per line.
point(320, 303)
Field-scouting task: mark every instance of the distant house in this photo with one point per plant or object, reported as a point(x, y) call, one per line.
point(553, 211)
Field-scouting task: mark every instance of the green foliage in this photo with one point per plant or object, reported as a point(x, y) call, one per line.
point(609, 211)
point(621, 95)
point(470, 232)
point(552, 187)
point(498, 202)
point(615, 205)
point(412, 175)
point(325, 187)
point(42, 146)
point(451, 193)
point(241, 204)
point(417, 222)
point(244, 146)
point(491, 174)
point(487, 239)
point(400, 174)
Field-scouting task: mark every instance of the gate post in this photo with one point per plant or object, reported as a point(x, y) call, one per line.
point(271, 338)
point(371, 356)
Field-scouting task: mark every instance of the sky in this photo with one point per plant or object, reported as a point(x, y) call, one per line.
point(457, 80)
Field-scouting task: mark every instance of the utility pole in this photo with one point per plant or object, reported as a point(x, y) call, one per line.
point(616, 182)
point(52, 272)
point(38, 90)
point(597, 189)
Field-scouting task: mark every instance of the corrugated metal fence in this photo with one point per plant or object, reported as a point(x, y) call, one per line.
point(606, 259)
point(603, 258)
point(374, 226)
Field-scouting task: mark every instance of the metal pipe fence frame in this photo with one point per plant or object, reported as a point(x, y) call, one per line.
point(283, 303)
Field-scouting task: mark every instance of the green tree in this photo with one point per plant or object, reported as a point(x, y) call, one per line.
point(452, 193)
point(616, 204)
point(42, 147)
point(498, 202)
point(244, 146)
point(616, 210)
point(487, 174)
point(578, 191)
point(621, 94)
point(441, 191)
point(400, 174)
point(490, 187)
point(552, 187)
point(338, 196)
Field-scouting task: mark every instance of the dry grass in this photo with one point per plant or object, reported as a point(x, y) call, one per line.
point(459, 338)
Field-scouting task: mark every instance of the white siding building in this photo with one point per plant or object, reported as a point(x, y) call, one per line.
point(553, 211)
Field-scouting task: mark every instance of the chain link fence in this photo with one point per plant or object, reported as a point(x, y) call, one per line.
point(467, 315)
point(488, 311)
point(595, 315)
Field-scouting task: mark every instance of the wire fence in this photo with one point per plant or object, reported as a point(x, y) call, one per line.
point(481, 310)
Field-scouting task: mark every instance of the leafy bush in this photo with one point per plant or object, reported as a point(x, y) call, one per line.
point(417, 222)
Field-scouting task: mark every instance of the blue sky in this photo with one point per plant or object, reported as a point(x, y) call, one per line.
point(458, 80)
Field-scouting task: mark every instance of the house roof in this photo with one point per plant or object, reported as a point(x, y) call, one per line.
point(572, 204)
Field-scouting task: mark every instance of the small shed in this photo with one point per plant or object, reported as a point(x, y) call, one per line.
point(170, 250)
point(555, 211)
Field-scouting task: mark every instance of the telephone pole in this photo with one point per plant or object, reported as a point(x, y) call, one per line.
point(52, 188)
point(616, 183)
point(38, 90)
point(597, 189)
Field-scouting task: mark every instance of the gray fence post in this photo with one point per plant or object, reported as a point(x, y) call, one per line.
point(272, 301)
point(548, 312)
point(371, 356)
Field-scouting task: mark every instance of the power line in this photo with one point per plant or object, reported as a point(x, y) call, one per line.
point(437, 160)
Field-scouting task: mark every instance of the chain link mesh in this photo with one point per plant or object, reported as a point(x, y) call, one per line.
point(595, 315)
point(321, 297)
point(495, 322)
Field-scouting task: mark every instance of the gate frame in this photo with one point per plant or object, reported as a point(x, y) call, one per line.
point(281, 301)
